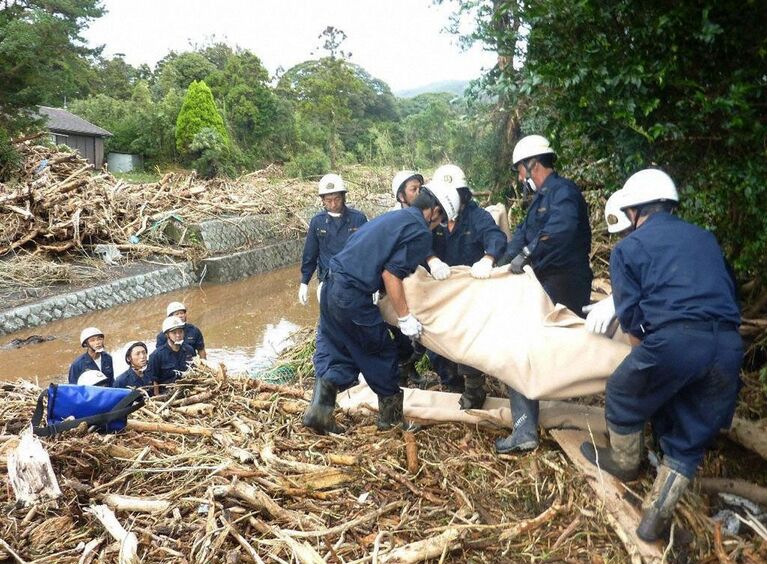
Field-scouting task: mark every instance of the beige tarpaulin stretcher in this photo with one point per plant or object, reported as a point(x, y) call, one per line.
point(507, 327)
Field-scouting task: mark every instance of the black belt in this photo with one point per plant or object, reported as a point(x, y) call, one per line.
point(699, 325)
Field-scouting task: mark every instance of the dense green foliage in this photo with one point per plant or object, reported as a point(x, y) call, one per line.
point(43, 59)
point(631, 84)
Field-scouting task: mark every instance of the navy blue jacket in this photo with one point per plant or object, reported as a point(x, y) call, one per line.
point(85, 362)
point(474, 235)
point(397, 241)
point(669, 270)
point(555, 229)
point(326, 236)
point(165, 366)
point(129, 379)
point(192, 337)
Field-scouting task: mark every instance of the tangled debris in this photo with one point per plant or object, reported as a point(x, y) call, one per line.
point(56, 203)
point(221, 469)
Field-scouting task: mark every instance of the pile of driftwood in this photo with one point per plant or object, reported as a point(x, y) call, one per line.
point(221, 469)
point(57, 202)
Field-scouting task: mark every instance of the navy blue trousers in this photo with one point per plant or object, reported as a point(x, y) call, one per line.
point(684, 379)
point(352, 337)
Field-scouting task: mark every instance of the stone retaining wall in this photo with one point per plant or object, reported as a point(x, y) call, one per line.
point(232, 233)
point(252, 261)
point(121, 291)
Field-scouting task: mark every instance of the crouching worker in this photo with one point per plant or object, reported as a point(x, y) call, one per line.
point(352, 336)
point(674, 295)
point(134, 377)
point(94, 357)
point(93, 378)
point(171, 360)
point(192, 335)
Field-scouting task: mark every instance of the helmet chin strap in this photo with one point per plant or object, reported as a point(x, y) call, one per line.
point(529, 182)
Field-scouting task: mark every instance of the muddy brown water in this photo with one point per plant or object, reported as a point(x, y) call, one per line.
point(233, 318)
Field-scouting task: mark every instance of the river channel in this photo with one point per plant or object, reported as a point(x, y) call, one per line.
point(233, 318)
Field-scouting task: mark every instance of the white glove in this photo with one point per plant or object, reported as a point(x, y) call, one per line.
point(319, 291)
point(376, 297)
point(600, 315)
point(482, 268)
point(439, 270)
point(303, 293)
point(410, 326)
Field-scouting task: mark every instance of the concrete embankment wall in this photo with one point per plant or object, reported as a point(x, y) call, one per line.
point(239, 247)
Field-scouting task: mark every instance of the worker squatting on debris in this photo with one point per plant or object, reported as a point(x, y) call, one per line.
point(473, 239)
point(328, 232)
point(555, 240)
point(192, 335)
point(169, 361)
point(683, 372)
point(352, 336)
point(94, 357)
point(134, 376)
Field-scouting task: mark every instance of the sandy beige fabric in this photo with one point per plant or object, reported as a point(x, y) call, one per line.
point(439, 407)
point(507, 327)
point(501, 218)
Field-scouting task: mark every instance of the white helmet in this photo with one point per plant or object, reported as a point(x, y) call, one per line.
point(173, 307)
point(330, 184)
point(401, 177)
point(447, 196)
point(172, 322)
point(616, 218)
point(451, 175)
point(92, 378)
point(648, 185)
point(89, 332)
point(531, 146)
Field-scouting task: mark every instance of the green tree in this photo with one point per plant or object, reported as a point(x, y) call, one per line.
point(43, 58)
point(197, 113)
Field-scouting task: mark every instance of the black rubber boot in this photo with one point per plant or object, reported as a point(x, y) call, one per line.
point(319, 415)
point(390, 413)
point(409, 376)
point(658, 506)
point(621, 458)
point(524, 437)
point(474, 393)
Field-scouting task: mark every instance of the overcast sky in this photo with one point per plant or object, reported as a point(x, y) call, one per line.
point(399, 41)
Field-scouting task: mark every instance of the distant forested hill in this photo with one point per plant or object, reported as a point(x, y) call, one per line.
point(452, 86)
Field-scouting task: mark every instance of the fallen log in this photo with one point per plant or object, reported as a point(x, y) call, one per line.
point(137, 504)
point(742, 488)
point(411, 452)
point(262, 502)
point(143, 426)
point(433, 547)
point(128, 541)
point(750, 434)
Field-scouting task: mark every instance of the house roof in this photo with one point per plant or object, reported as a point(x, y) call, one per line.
point(59, 120)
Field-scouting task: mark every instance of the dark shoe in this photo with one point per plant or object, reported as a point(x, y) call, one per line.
point(621, 458)
point(390, 413)
point(408, 375)
point(474, 393)
point(524, 437)
point(658, 506)
point(319, 415)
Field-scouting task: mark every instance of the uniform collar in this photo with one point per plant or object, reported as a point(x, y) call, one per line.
point(418, 214)
point(547, 183)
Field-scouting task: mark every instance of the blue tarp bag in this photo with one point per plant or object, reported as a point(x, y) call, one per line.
point(107, 409)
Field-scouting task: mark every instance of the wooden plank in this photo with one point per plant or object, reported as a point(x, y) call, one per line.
point(623, 515)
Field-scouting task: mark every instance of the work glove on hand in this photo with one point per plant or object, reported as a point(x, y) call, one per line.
point(303, 293)
point(410, 326)
point(376, 297)
point(518, 262)
point(600, 315)
point(439, 270)
point(482, 268)
point(319, 291)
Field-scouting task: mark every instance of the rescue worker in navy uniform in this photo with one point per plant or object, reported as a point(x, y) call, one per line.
point(352, 332)
point(405, 186)
point(555, 240)
point(168, 362)
point(192, 335)
point(135, 375)
point(472, 240)
point(328, 232)
point(94, 357)
point(674, 295)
